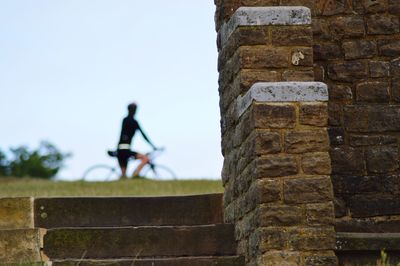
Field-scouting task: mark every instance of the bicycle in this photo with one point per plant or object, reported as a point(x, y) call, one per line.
point(152, 170)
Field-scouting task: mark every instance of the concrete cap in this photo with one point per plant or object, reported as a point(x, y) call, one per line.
point(263, 16)
point(283, 92)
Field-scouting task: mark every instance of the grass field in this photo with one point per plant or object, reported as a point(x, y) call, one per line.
point(45, 188)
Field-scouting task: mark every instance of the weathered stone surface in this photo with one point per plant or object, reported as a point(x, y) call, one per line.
point(314, 114)
point(347, 160)
point(367, 241)
point(274, 116)
point(340, 93)
point(340, 207)
point(394, 6)
point(321, 260)
point(347, 27)
point(376, 91)
point(336, 135)
point(282, 258)
point(276, 166)
point(383, 24)
point(19, 246)
point(382, 159)
point(259, 57)
point(16, 213)
point(379, 69)
point(292, 36)
point(280, 215)
point(311, 238)
point(302, 56)
point(306, 141)
point(364, 206)
point(348, 71)
point(298, 75)
point(283, 92)
point(377, 118)
point(335, 112)
point(327, 51)
point(396, 89)
point(139, 242)
point(329, 8)
point(358, 49)
point(182, 261)
point(261, 142)
point(317, 163)
point(319, 73)
point(264, 239)
point(320, 214)
point(389, 47)
point(307, 190)
point(373, 6)
point(352, 185)
point(257, 16)
point(266, 190)
point(106, 212)
point(369, 225)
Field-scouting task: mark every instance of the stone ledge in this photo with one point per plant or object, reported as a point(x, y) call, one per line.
point(263, 16)
point(367, 241)
point(20, 246)
point(283, 92)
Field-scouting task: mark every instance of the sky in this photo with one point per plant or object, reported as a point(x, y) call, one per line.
point(68, 69)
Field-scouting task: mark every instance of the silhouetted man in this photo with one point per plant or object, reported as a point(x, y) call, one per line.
point(124, 152)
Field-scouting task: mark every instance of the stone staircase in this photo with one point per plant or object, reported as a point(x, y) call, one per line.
point(159, 231)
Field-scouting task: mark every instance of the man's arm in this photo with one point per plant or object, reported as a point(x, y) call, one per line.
point(146, 138)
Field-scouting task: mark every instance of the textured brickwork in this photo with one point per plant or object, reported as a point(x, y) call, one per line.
point(356, 51)
point(277, 167)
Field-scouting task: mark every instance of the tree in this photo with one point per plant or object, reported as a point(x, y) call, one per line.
point(44, 162)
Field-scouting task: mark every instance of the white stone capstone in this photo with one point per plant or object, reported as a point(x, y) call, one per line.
point(283, 92)
point(263, 16)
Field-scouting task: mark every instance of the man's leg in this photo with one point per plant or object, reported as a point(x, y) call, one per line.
point(123, 163)
point(143, 161)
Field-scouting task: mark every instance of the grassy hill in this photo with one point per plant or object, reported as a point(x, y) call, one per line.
point(45, 188)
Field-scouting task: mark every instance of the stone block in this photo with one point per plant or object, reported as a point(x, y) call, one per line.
point(347, 27)
point(359, 49)
point(340, 207)
point(377, 118)
point(302, 56)
point(373, 6)
point(259, 16)
point(314, 114)
point(347, 160)
point(265, 190)
point(259, 57)
point(298, 75)
point(274, 115)
point(306, 141)
point(348, 71)
point(264, 239)
point(319, 73)
point(335, 112)
point(382, 159)
point(329, 8)
point(20, 246)
point(370, 206)
point(367, 241)
point(276, 166)
point(292, 36)
point(318, 214)
point(308, 190)
point(365, 184)
point(394, 6)
point(383, 24)
point(371, 140)
point(327, 51)
point(282, 92)
point(280, 215)
point(311, 238)
point(375, 91)
point(321, 260)
point(16, 213)
point(339, 92)
point(317, 163)
point(320, 29)
point(369, 225)
point(389, 47)
point(395, 68)
point(336, 135)
point(379, 69)
point(396, 89)
point(281, 258)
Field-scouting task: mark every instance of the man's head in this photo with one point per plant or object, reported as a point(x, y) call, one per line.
point(132, 108)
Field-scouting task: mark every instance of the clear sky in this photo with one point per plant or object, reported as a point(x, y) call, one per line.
point(68, 68)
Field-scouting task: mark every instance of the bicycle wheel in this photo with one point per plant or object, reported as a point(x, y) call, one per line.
point(158, 172)
point(100, 172)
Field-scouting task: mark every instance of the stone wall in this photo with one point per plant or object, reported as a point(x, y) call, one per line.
point(356, 48)
point(278, 191)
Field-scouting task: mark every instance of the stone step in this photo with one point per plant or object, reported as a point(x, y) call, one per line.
point(20, 246)
point(183, 261)
point(128, 211)
point(139, 242)
point(367, 241)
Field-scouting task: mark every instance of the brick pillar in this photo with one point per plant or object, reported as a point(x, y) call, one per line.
point(276, 172)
